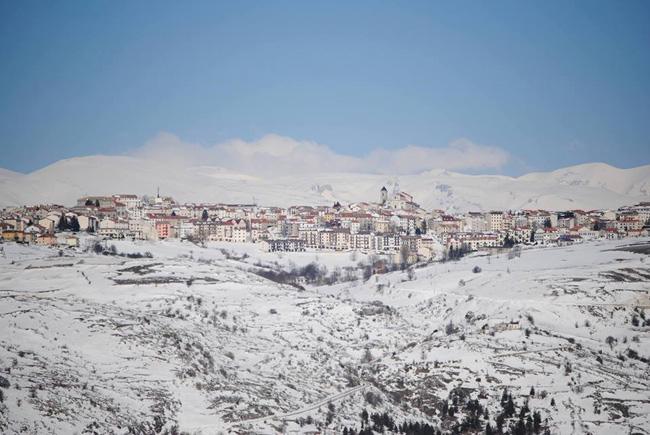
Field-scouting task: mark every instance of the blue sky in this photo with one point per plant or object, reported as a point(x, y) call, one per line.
point(550, 83)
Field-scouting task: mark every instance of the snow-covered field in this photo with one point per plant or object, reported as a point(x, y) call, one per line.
point(192, 338)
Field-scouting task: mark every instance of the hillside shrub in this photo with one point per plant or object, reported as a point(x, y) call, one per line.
point(450, 328)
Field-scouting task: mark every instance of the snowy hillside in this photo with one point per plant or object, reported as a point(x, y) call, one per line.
point(633, 181)
point(459, 192)
point(6, 174)
point(585, 186)
point(192, 339)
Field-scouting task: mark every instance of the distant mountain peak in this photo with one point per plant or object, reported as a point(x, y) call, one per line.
point(588, 186)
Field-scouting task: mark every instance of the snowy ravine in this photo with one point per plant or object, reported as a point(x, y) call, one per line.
point(192, 339)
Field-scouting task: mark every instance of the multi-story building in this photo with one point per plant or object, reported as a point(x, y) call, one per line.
point(494, 220)
point(163, 229)
point(283, 245)
point(476, 222)
point(625, 225)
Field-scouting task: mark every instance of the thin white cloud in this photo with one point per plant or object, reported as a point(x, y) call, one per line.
point(279, 155)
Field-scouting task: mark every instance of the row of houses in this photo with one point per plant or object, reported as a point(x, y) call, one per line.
point(46, 239)
point(392, 223)
point(624, 219)
point(475, 241)
point(478, 230)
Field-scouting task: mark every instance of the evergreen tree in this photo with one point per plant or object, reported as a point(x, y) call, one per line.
point(500, 420)
point(96, 203)
point(529, 425)
point(537, 421)
point(204, 215)
point(510, 407)
point(89, 201)
point(364, 417)
point(74, 224)
point(63, 223)
point(519, 428)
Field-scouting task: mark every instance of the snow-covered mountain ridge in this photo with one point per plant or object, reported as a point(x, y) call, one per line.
point(6, 174)
point(588, 186)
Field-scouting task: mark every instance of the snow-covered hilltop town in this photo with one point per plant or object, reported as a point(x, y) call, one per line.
point(395, 223)
point(138, 315)
point(325, 218)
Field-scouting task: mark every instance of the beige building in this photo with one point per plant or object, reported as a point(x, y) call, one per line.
point(494, 221)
